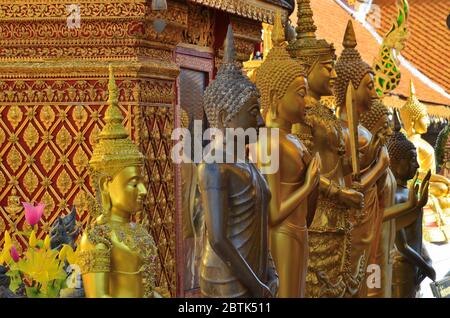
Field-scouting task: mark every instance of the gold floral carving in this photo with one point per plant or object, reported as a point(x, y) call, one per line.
point(14, 159)
point(2, 180)
point(49, 204)
point(30, 181)
point(2, 136)
point(80, 160)
point(48, 159)
point(63, 138)
point(79, 114)
point(200, 29)
point(31, 136)
point(64, 182)
point(47, 116)
point(14, 115)
point(2, 225)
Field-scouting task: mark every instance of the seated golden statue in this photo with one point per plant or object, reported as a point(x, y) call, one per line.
point(353, 71)
point(409, 265)
point(415, 122)
point(117, 257)
point(283, 89)
point(236, 261)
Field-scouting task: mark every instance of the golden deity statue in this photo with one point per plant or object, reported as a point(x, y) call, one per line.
point(316, 58)
point(283, 89)
point(236, 261)
point(117, 257)
point(329, 273)
point(371, 165)
point(415, 122)
point(409, 264)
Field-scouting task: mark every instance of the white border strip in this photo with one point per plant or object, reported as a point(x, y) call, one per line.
point(426, 80)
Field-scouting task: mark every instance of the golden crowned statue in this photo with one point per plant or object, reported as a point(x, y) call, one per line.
point(117, 256)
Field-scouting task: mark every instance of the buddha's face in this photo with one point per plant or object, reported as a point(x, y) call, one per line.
point(322, 76)
point(386, 128)
point(291, 106)
point(365, 93)
point(405, 169)
point(421, 124)
point(127, 190)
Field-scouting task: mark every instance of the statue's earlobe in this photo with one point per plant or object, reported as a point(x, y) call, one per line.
point(106, 198)
point(273, 104)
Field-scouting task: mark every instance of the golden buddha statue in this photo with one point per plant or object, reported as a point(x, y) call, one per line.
point(373, 159)
point(409, 264)
point(117, 257)
point(236, 261)
point(376, 120)
point(283, 89)
point(329, 236)
point(415, 122)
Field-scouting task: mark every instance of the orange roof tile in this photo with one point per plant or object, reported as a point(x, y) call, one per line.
point(331, 20)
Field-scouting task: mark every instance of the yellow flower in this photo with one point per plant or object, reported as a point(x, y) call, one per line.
point(5, 256)
point(47, 242)
point(32, 241)
point(41, 266)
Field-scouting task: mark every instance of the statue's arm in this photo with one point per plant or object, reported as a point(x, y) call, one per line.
point(376, 172)
point(435, 178)
point(94, 261)
point(406, 209)
point(411, 255)
point(214, 190)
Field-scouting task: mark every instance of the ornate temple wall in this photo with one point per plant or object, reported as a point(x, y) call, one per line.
point(53, 95)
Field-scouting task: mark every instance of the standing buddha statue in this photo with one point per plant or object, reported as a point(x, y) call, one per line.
point(283, 89)
point(117, 257)
point(236, 261)
point(409, 264)
point(374, 160)
point(415, 122)
point(329, 273)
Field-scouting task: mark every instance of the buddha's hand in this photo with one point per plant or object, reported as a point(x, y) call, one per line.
point(430, 272)
point(424, 190)
point(313, 172)
point(273, 284)
point(351, 198)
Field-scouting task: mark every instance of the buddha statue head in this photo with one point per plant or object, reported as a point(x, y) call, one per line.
point(316, 56)
point(414, 114)
point(232, 100)
point(376, 120)
point(350, 68)
point(402, 154)
point(116, 164)
point(281, 82)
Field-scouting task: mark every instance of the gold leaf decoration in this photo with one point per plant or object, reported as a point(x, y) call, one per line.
point(31, 136)
point(2, 136)
point(64, 182)
point(14, 159)
point(63, 138)
point(80, 201)
point(80, 160)
point(49, 204)
point(93, 137)
point(2, 225)
point(14, 115)
point(47, 116)
point(48, 159)
point(30, 181)
point(79, 116)
point(2, 181)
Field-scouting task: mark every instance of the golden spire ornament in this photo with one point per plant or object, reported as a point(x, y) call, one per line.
point(114, 150)
point(307, 48)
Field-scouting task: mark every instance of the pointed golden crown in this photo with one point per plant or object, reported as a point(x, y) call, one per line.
point(114, 150)
point(307, 48)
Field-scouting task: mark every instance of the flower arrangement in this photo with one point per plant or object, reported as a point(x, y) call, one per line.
point(40, 269)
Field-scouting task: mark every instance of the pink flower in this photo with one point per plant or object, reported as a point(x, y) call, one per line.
point(14, 254)
point(33, 213)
